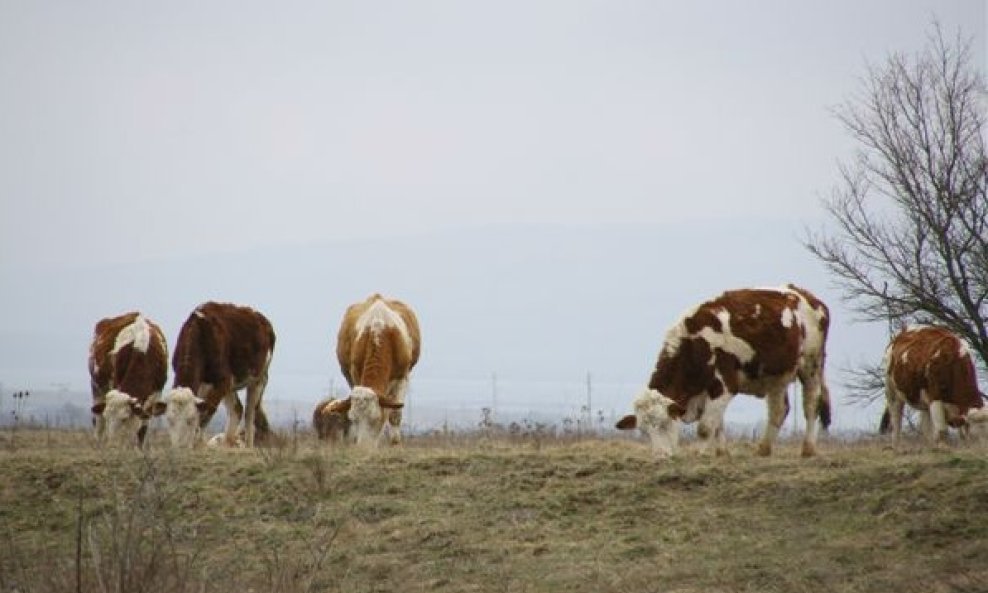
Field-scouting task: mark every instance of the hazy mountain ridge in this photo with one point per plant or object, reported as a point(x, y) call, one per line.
point(530, 303)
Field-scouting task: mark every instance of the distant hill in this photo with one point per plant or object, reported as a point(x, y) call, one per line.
point(539, 306)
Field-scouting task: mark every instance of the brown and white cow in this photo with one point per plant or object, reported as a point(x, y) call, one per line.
point(128, 366)
point(221, 348)
point(330, 420)
point(932, 369)
point(377, 346)
point(754, 341)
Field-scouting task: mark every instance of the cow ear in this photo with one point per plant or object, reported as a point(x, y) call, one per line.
point(676, 411)
point(158, 408)
point(98, 408)
point(627, 423)
point(341, 406)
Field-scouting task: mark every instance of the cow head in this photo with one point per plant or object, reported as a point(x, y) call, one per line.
point(183, 412)
point(658, 417)
point(124, 416)
point(331, 421)
point(367, 413)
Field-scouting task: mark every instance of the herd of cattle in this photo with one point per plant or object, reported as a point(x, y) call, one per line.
point(753, 341)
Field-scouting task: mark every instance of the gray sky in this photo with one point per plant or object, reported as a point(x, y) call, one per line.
point(161, 134)
point(137, 130)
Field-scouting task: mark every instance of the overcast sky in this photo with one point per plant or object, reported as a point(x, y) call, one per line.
point(155, 133)
point(133, 130)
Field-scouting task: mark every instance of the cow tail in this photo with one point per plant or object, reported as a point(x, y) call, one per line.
point(824, 411)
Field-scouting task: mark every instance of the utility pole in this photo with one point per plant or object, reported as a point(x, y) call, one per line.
point(589, 397)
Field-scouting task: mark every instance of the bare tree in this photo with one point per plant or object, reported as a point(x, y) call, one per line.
point(911, 210)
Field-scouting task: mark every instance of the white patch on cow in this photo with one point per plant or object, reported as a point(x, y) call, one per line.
point(787, 317)
point(963, 349)
point(198, 313)
point(725, 338)
point(810, 319)
point(379, 316)
point(137, 333)
point(182, 417)
point(758, 310)
point(366, 416)
point(652, 414)
point(905, 357)
point(121, 422)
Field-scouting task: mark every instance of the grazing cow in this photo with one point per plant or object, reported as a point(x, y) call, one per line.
point(128, 366)
point(932, 370)
point(753, 341)
point(221, 348)
point(377, 347)
point(330, 420)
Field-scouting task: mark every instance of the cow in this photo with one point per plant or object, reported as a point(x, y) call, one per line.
point(932, 370)
point(330, 420)
point(128, 367)
point(754, 341)
point(377, 346)
point(221, 348)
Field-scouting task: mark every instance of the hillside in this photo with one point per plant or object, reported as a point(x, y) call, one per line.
point(469, 514)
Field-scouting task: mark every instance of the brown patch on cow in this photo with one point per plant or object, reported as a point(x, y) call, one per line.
point(728, 366)
point(629, 422)
point(685, 373)
point(703, 318)
point(933, 364)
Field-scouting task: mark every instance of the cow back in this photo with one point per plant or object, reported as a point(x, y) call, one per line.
point(222, 342)
point(936, 361)
point(104, 337)
point(735, 342)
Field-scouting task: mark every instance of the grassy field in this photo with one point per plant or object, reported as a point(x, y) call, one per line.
point(476, 514)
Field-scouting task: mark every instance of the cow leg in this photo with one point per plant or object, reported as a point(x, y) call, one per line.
point(394, 422)
point(203, 393)
point(811, 402)
point(776, 403)
point(234, 412)
point(397, 391)
point(925, 424)
point(99, 422)
point(938, 422)
point(721, 437)
point(711, 425)
point(252, 403)
point(895, 408)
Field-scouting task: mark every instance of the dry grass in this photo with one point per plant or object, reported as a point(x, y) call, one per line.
point(450, 513)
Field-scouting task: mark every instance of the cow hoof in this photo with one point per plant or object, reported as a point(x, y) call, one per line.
point(808, 450)
point(723, 453)
point(764, 449)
